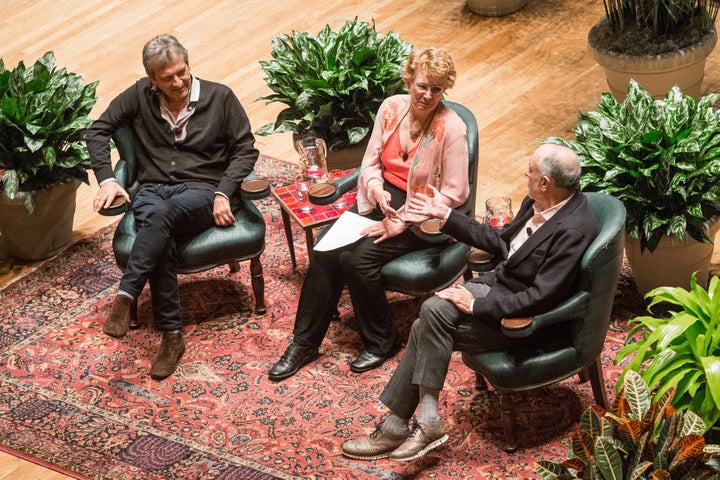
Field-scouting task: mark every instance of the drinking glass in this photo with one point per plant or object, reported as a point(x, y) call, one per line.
point(313, 157)
point(303, 182)
point(335, 174)
point(498, 211)
point(340, 204)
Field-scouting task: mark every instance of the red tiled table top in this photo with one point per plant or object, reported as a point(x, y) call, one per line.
point(320, 214)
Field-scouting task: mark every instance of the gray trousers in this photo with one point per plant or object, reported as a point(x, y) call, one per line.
point(433, 338)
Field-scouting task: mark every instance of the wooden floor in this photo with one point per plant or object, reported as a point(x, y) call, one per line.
point(524, 76)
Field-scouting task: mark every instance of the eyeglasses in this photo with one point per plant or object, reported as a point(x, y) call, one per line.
point(433, 89)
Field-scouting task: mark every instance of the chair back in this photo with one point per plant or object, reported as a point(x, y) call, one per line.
point(600, 269)
point(126, 170)
point(472, 140)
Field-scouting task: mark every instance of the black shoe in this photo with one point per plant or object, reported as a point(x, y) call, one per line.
point(294, 358)
point(367, 361)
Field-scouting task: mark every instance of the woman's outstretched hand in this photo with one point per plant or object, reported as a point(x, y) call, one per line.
point(427, 205)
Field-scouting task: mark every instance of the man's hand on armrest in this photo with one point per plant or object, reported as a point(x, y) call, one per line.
point(111, 194)
point(222, 212)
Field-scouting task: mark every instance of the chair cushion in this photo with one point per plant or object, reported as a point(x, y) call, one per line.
point(427, 270)
point(523, 369)
point(215, 246)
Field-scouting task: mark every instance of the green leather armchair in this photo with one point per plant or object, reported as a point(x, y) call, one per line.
point(428, 270)
point(578, 325)
point(245, 240)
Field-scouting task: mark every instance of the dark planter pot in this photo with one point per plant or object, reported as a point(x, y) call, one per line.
point(346, 158)
point(495, 8)
point(45, 232)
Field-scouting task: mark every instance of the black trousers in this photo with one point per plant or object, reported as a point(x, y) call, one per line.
point(165, 217)
point(359, 265)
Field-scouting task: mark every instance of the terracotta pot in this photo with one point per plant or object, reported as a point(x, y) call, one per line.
point(495, 8)
point(657, 74)
point(46, 231)
point(672, 263)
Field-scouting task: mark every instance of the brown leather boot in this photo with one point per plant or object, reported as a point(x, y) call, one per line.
point(171, 349)
point(117, 323)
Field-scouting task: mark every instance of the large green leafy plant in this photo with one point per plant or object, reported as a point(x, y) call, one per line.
point(637, 439)
point(333, 82)
point(43, 118)
point(681, 349)
point(661, 158)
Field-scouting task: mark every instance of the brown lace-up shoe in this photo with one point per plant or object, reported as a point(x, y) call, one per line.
point(117, 323)
point(377, 445)
point(422, 439)
point(171, 349)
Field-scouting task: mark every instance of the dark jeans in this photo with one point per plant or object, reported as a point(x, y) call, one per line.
point(165, 216)
point(359, 265)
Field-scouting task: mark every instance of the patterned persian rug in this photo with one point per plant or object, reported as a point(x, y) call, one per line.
point(78, 400)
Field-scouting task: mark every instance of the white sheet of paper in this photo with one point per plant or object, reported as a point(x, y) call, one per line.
point(344, 231)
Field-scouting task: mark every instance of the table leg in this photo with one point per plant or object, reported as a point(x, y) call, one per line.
point(310, 242)
point(289, 236)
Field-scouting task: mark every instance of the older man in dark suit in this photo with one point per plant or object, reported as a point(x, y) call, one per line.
point(540, 252)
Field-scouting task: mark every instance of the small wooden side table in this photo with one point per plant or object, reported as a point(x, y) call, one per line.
point(319, 216)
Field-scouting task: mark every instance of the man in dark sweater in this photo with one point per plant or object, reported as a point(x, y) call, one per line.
point(195, 146)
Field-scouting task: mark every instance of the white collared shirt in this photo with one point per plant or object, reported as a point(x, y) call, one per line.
point(535, 222)
point(178, 125)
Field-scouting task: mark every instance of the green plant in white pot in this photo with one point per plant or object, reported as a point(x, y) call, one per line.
point(659, 43)
point(661, 158)
point(333, 83)
point(44, 112)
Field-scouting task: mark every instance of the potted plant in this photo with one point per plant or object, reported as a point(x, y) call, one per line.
point(658, 43)
point(43, 117)
point(495, 8)
point(661, 158)
point(334, 82)
point(680, 351)
point(638, 438)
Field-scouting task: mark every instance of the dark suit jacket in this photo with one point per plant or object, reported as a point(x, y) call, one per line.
point(543, 271)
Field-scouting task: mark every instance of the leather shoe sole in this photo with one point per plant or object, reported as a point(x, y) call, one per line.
point(375, 446)
point(422, 439)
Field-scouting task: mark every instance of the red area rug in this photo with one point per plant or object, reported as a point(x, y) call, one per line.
point(77, 399)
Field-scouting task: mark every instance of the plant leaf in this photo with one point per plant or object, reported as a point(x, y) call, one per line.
point(608, 460)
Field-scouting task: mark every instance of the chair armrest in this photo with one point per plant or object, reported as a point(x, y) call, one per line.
point(571, 309)
point(327, 193)
point(122, 174)
point(481, 261)
point(119, 205)
point(254, 188)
